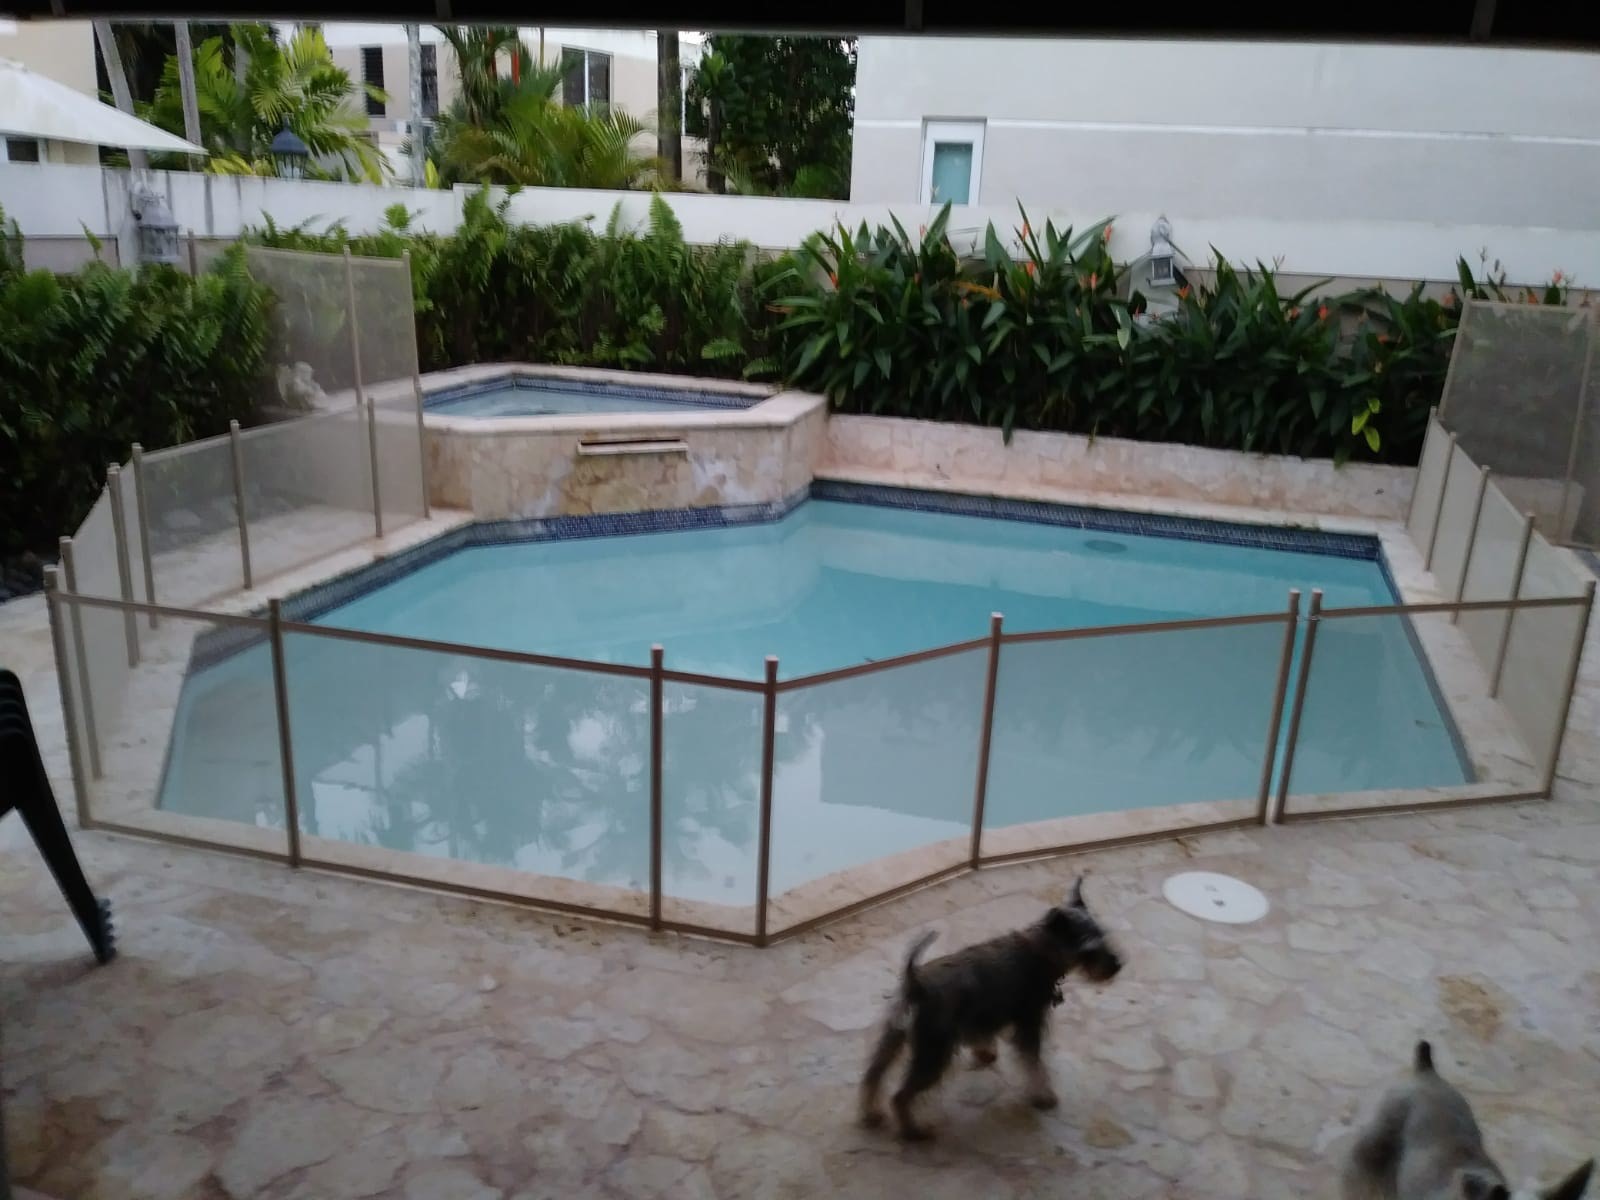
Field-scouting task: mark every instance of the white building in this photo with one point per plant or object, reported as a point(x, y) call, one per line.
point(1270, 131)
point(58, 50)
point(609, 67)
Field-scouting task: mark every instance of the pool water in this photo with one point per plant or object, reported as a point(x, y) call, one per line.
point(539, 398)
point(548, 770)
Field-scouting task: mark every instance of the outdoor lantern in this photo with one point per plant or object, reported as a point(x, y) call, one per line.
point(1162, 254)
point(157, 231)
point(290, 154)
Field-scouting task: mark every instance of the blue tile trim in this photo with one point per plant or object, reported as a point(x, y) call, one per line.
point(361, 581)
point(678, 397)
point(1105, 520)
point(334, 593)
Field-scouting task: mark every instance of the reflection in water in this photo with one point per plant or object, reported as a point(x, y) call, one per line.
point(547, 771)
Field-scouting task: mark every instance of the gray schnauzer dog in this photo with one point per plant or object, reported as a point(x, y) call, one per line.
point(1008, 983)
point(1423, 1144)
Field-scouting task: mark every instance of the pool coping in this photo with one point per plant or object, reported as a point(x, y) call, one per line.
point(524, 377)
point(750, 405)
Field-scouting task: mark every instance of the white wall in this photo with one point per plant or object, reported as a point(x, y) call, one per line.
point(1245, 132)
point(49, 200)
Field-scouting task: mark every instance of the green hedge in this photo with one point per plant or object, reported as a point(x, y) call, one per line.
point(1052, 337)
point(94, 361)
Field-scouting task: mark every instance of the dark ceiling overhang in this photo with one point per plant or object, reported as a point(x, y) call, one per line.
point(1551, 23)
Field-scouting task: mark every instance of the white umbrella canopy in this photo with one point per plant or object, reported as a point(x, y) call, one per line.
point(34, 106)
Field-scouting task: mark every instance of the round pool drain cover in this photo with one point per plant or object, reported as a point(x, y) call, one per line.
point(1105, 546)
point(1213, 897)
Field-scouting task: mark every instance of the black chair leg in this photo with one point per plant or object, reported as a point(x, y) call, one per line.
point(22, 769)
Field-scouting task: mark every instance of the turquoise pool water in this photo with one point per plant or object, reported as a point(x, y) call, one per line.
point(544, 398)
point(547, 770)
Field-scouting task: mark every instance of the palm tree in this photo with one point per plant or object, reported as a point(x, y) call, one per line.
point(669, 104)
point(296, 86)
point(513, 130)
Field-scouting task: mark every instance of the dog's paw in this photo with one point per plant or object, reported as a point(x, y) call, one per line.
point(871, 1118)
point(1043, 1101)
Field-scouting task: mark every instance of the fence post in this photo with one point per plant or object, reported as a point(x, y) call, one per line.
point(280, 695)
point(416, 389)
point(1511, 613)
point(238, 501)
point(372, 457)
point(1570, 686)
point(69, 572)
point(1313, 619)
point(1411, 504)
point(194, 257)
point(142, 513)
point(119, 527)
point(1577, 438)
point(657, 654)
point(1291, 623)
point(769, 731)
point(980, 792)
point(58, 643)
point(361, 390)
point(1438, 511)
point(1472, 540)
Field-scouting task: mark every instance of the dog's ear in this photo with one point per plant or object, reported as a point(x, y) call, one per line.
point(1076, 899)
point(1572, 1186)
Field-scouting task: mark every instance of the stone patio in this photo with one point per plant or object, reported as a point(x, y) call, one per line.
point(290, 1034)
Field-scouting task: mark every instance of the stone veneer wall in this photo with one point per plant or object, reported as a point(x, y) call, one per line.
point(896, 450)
point(531, 467)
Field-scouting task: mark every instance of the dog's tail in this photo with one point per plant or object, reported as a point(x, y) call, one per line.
point(1424, 1059)
point(911, 986)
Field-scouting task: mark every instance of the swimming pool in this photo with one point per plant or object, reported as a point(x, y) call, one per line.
point(547, 770)
point(517, 395)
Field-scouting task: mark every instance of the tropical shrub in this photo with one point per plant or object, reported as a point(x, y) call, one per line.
point(1042, 333)
point(565, 294)
point(1051, 337)
point(97, 360)
point(294, 85)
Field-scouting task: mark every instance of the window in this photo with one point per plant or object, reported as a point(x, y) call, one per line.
point(372, 73)
point(19, 150)
point(585, 78)
point(952, 162)
point(430, 80)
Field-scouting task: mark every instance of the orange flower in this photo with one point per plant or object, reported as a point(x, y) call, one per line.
point(1322, 312)
point(1383, 339)
point(833, 278)
point(1293, 313)
point(1183, 292)
point(1449, 301)
point(1029, 267)
point(1094, 280)
point(1106, 236)
point(1028, 232)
